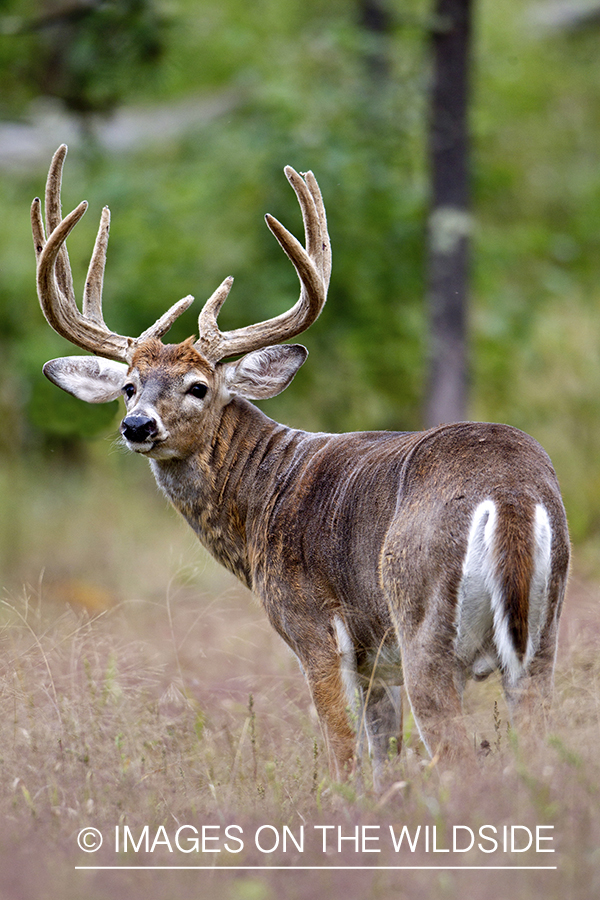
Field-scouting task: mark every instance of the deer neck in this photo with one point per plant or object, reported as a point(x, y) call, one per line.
point(214, 489)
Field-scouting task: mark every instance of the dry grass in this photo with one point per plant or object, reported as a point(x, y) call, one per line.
point(184, 708)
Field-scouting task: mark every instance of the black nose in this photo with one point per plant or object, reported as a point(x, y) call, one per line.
point(138, 429)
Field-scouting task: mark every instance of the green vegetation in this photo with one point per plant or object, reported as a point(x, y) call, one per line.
point(295, 83)
point(536, 323)
point(183, 706)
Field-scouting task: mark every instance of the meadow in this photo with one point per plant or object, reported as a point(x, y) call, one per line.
point(145, 695)
point(142, 691)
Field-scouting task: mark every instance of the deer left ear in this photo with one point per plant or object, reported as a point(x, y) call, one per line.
point(265, 373)
point(88, 378)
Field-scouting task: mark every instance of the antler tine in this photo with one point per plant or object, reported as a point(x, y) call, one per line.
point(52, 204)
point(87, 328)
point(162, 325)
point(317, 197)
point(92, 297)
point(92, 294)
point(210, 337)
point(313, 266)
point(60, 309)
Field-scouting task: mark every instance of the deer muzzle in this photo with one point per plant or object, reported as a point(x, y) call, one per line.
point(139, 429)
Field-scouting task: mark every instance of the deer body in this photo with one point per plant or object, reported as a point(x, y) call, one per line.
point(359, 548)
point(381, 558)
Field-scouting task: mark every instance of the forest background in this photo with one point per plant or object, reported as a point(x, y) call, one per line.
point(125, 693)
point(267, 84)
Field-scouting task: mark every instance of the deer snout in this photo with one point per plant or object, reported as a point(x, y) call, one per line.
point(138, 429)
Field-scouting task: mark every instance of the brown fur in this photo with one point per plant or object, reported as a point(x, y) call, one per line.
point(363, 548)
point(371, 528)
point(153, 354)
point(515, 563)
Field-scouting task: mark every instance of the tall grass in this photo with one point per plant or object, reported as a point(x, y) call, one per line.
point(173, 703)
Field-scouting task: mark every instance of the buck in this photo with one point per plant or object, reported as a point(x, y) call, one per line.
point(381, 558)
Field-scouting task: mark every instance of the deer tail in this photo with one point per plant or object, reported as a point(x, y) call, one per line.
point(507, 565)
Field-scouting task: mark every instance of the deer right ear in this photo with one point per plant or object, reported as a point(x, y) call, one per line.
point(265, 373)
point(87, 377)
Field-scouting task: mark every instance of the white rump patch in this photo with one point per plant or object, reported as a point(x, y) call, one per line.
point(478, 596)
point(483, 639)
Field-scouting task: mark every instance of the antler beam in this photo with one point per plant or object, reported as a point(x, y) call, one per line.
point(85, 328)
point(313, 266)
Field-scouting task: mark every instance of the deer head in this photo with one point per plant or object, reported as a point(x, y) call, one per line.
point(167, 387)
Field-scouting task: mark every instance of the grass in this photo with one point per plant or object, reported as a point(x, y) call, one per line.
point(142, 687)
point(173, 703)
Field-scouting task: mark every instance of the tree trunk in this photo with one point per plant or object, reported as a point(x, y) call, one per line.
point(375, 18)
point(448, 256)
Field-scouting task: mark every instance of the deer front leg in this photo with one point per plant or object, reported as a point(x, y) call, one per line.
point(323, 665)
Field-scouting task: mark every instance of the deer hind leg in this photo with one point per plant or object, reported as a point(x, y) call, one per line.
point(529, 692)
point(529, 697)
point(382, 714)
point(434, 682)
point(436, 702)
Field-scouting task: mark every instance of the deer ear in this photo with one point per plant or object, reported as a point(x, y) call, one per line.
point(87, 377)
point(265, 373)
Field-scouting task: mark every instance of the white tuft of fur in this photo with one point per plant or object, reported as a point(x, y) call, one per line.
point(481, 608)
point(347, 662)
point(538, 594)
point(475, 608)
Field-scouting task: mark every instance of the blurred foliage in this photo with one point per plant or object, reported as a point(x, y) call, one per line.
point(189, 213)
point(309, 84)
point(536, 309)
point(90, 54)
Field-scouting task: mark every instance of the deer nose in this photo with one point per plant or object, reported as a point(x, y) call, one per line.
point(139, 429)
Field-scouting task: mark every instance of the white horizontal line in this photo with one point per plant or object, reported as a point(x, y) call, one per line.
point(337, 868)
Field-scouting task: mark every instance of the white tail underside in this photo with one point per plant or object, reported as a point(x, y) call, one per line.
point(483, 639)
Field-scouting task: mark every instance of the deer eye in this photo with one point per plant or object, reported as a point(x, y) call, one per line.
point(129, 391)
point(198, 390)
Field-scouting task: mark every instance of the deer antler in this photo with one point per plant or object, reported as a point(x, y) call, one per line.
point(85, 328)
point(312, 264)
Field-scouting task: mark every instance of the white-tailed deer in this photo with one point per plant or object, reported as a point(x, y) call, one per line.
point(381, 558)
